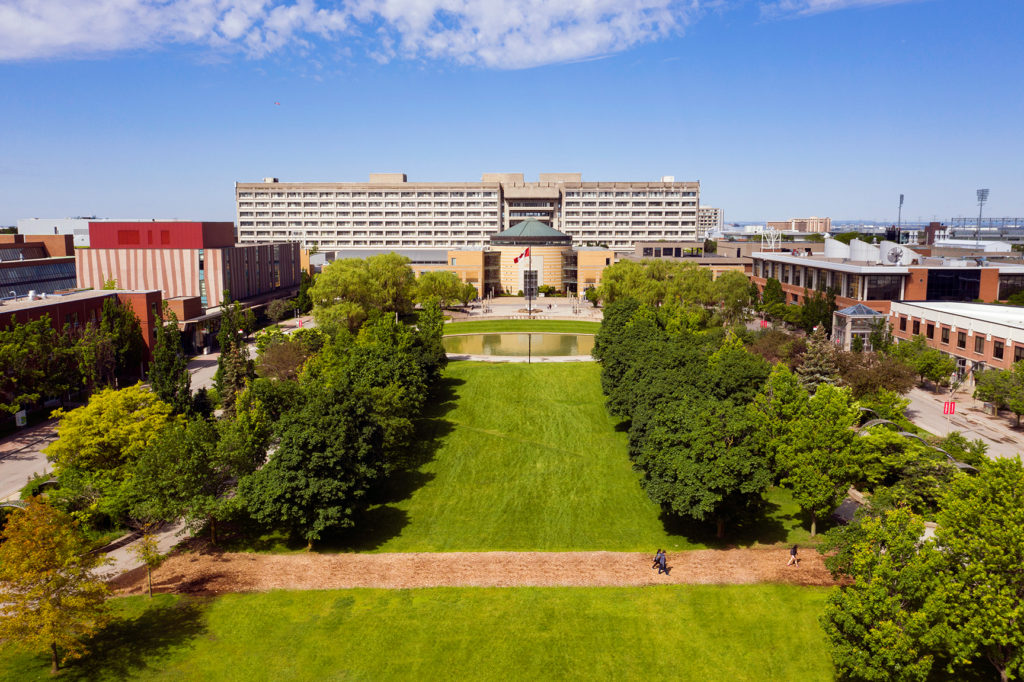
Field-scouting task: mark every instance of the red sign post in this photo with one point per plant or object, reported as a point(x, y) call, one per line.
point(949, 407)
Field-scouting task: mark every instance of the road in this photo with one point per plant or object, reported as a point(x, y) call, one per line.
point(1003, 439)
point(21, 457)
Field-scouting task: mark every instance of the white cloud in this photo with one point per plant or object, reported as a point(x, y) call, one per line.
point(495, 33)
point(806, 7)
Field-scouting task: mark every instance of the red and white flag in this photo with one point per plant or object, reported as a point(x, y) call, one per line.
point(524, 254)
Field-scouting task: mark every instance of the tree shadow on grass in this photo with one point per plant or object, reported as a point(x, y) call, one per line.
point(125, 648)
point(763, 526)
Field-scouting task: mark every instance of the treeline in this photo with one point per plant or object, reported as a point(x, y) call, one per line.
point(713, 425)
point(309, 430)
point(38, 362)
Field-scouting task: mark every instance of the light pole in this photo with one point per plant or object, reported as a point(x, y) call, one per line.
point(899, 219)
point(982, 198)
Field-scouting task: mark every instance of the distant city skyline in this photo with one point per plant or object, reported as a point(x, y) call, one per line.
point(781, 109)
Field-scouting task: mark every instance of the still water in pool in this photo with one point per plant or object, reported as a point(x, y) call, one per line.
point(519, 344)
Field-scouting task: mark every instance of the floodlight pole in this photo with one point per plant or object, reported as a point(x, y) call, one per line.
point(899, 218)
point(529, 310)
point(982, 198)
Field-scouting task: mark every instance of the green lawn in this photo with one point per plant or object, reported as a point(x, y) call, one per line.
point(700, 632)
point(491, 326)
point(526, 457)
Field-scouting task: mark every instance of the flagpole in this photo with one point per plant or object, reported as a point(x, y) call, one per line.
point(529, 312)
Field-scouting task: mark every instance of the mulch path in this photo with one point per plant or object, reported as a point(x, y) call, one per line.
point(207, 573)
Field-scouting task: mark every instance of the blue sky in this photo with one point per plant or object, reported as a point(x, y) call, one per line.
point(781, 108)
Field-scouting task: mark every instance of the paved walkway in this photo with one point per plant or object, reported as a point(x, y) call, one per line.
point(507, 307)
point(21, 457)
point(1000, 433)
point(214, 573)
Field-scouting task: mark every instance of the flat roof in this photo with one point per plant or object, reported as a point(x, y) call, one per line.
point(22, 302)
point(1008, 315)
point(847, 265)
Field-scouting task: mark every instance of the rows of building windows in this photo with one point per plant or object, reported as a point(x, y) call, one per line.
point(945, 336)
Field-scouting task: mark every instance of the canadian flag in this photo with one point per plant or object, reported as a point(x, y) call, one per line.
point(524, 254)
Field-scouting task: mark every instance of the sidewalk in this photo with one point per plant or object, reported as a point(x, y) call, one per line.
point(21, 457)
point(1003, 439)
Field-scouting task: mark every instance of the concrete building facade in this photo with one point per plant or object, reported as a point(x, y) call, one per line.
point(388, 212)
point(709, 220)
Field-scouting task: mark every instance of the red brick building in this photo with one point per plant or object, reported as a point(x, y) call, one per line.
point(78, 308)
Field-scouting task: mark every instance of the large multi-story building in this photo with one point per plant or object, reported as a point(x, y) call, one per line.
point(390, 213)
point(186, 259)
point(709, 220)
point(876, 275)
point(37, 265)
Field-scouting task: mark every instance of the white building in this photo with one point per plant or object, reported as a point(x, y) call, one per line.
point(709, 220)
point(388, 212)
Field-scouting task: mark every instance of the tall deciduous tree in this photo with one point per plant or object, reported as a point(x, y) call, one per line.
point(328, 458)
point(180, 475)
point(699, 461)
point(98, 444)
point(35, 361)
point(168, 372)
point(120, 323)
point(349, 290)
point(443, 285)
point(772, 294)
point(818, 458)
point(981, 533)
point(887, 623)
point(779, 404)
point(50, 594)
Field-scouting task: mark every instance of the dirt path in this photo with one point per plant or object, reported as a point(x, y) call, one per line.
point(214, 573)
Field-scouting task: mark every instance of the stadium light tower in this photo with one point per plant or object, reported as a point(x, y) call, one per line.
point(982, 198)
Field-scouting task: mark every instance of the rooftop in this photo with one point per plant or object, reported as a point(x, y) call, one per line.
point(532, 230)
point(23, 303)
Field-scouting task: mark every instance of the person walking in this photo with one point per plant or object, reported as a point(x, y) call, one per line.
point(662, 564)
point(793, 560)
point(657, 559)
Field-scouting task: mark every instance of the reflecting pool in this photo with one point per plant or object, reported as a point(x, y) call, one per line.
point(519, 343)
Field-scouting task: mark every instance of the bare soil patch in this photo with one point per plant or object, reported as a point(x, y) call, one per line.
point(215, 572)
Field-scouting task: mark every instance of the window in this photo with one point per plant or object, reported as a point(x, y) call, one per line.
point(903, 324)
point(961, 339)
point(930, 331)
point(979, 344)
point(945, 335)
point(1010, 285)
point(917, 327)
point(883, 287)
point(453, 261)
point(997, 350)
point(1018, 353)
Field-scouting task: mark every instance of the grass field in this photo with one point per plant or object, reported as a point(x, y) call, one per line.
point(526, 457)
point(752, 632)
point(490, 326)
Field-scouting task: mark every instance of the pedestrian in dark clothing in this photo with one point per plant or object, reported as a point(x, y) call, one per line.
point(662, 564)
point(657, 559)
point(793, 560)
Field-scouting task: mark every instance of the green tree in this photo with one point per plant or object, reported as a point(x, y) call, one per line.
point(880, 336)
point(467, 294)
point(981, 533)
point(442, 285)
point(348, 290)
point(121, 325)
point(168, 370)
point(96, 356)
point(819, 365)
point(51, 595)
point(818, 458)
point(302, 300)
point(772, 294)
point(731, 291)
point(328, 458)
point(234, 367)
point(98, 444)
point(779, 404)
point(885, 623)
point(180, 475)
point(929, 363)
point(278, 309)
point(146, 551)
point(35, 362)
point(1003, 388)
point(699, 461)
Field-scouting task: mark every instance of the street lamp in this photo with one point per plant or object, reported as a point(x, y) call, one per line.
point(982, 198)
